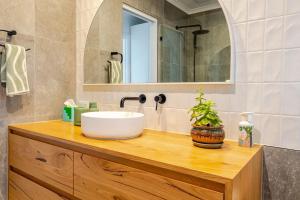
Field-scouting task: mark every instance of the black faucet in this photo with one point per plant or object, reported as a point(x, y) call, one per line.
point(160, 99)
point(142, 99)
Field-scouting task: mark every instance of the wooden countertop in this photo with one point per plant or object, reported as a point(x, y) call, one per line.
point(161, 149)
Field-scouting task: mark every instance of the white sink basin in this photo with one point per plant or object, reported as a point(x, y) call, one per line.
point(112, 125)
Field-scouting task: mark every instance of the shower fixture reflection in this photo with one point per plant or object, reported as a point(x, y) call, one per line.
point(196, 34)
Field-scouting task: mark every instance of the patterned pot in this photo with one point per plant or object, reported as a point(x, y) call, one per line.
point(208, 135)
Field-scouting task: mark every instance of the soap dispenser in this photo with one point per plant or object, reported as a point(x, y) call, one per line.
point(246, 129)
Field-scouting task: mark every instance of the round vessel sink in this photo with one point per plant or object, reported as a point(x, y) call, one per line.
point(112, 125)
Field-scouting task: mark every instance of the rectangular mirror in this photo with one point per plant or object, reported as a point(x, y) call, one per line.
point(165, 41)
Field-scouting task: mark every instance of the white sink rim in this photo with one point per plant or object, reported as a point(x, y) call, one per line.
point(112, 125)
point(113, 115)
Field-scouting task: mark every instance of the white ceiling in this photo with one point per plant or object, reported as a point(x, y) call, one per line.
point(195, 6)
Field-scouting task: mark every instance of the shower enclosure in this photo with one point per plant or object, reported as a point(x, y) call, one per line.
point(195, 48)
point(195, 39)
point(172, 55)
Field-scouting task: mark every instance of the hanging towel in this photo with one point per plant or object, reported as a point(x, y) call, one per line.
point(16, 71)
point(115, 72)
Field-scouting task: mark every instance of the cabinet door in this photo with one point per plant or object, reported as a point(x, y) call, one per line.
point(96, 179)
point(21, 188)
point(50, 164)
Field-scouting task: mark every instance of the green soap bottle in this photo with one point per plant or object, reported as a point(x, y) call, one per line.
point(77, 114)
point(94, 107)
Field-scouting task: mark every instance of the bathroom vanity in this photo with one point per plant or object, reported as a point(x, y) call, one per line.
point(53, 160)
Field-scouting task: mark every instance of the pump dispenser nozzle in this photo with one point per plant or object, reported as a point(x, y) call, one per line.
point(247, 116)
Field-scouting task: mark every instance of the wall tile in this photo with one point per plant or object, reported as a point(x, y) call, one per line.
point(228, 5)
point(274, 33)
point(292, 31)
point(255, 35)
point(291, 65)
point(232, 126)
point(256, 9)
point(257, 131)
point(273, 66)
point(254, 98)
point(241, 67)
point(290, 98)
point(239, 9)
point(25, 17)
point(241, 37)
point(255, 63)
point(185, 101)
point(55, 19)
point(270, 130)
point(271, 96)
point(20, 17)
point(237, 100)
point(292, 6)
point(274, 8)
point(290, 132)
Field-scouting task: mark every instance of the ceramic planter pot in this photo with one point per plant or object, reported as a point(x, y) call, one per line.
point(209, 137)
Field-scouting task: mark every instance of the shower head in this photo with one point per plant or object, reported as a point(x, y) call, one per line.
point(201, 32)
point(198, 32)
point(195, 33)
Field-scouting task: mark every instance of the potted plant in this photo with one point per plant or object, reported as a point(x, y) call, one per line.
point(207, 131)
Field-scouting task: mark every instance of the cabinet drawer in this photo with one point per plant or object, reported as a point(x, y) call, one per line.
point(50, 164)
point(96, 179)
point(21, 188)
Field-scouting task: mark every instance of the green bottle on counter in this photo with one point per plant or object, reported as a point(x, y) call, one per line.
point(77, 114)
point(94, 107)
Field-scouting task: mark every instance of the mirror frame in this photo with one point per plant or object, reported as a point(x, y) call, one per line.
point(180, 86)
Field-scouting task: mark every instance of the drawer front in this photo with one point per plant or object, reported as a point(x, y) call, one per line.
point(96, 179)
point(50, 164)
point(21, 188)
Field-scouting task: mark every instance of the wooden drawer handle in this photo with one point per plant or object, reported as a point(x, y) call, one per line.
point(41, 159)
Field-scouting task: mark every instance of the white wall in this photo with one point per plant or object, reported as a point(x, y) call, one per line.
point(267, 40)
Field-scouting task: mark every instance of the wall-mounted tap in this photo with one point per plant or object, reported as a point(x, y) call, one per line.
point(160, 99)
point(142, 99)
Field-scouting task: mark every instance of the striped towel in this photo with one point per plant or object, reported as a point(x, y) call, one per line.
point(15, 70)
point(116, 72)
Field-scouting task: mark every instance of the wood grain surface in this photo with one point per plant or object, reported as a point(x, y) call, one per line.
point(96, 178)
point(51, 164)
point(21, 188)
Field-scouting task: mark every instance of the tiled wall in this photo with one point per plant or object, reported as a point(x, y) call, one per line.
point(267, 75)
point(47, 27)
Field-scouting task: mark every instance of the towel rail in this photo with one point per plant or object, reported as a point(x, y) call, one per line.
point(2, 45)
point(9, 33)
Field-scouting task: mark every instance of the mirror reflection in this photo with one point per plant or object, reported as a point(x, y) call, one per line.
point(158, 41)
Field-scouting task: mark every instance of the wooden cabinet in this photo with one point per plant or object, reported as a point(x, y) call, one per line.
point(21, 188)
point(97, 178)
point(58, 163)
point(51, 164)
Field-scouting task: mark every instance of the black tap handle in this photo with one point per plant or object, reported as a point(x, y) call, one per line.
point(142, 98)
point(160, 99)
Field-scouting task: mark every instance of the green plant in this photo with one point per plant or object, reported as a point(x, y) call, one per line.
point(204, 114)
